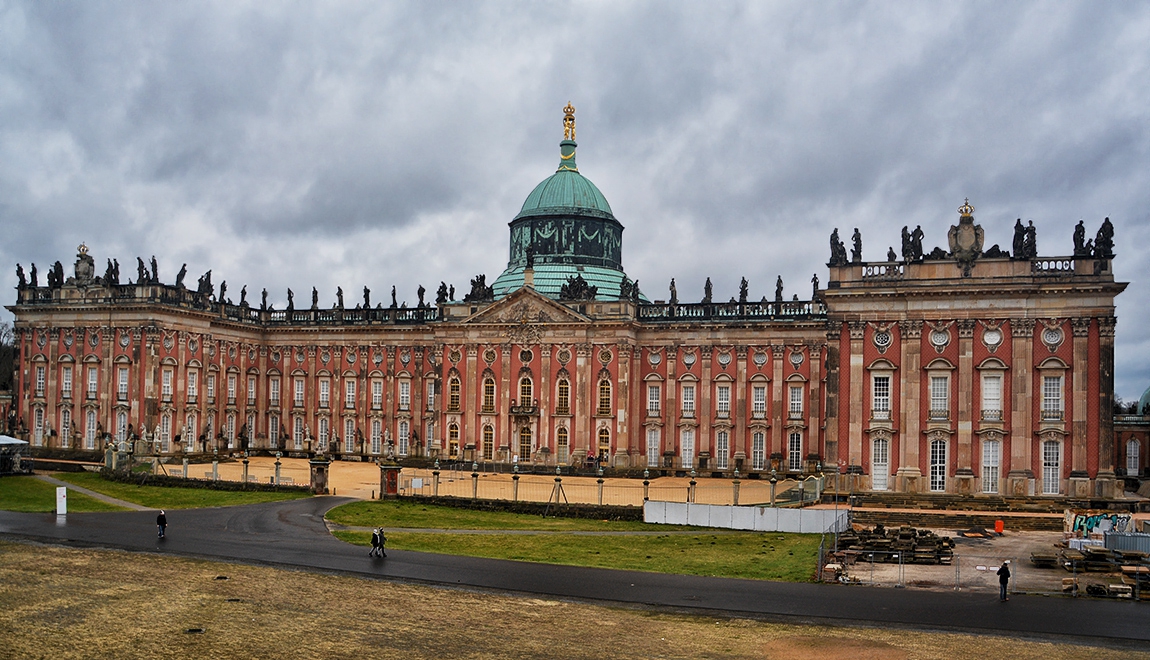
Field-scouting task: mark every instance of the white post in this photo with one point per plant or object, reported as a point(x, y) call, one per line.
point(61, 501)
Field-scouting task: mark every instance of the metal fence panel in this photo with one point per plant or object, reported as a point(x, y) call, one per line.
point(1136, 541)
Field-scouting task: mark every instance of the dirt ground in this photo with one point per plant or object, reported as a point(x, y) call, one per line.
point(68, 603)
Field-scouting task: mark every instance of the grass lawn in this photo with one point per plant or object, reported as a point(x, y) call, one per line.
point(85, 603)
point(162, 497)
point(392, 513)
point(753, 555)
point(31, 495)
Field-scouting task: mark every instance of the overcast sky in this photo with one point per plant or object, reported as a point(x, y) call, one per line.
point(350, 144)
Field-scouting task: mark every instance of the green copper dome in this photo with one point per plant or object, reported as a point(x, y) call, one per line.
point(566, 229)
point(567, 192)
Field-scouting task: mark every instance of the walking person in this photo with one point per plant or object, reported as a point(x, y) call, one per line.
point(161, 524)
point(382, 542)
point(1003, 580)
point(374, 542)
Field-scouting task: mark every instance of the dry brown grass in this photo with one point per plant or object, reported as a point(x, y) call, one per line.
point(65, 603)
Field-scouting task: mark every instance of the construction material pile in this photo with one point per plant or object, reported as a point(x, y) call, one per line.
point(905, 544)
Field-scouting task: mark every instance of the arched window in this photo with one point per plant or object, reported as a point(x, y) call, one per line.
point(165, 430)
point(795, 451)
point(563, 398)
point(324, 432)
point(488, 443)
point(526, 391)
point(404, 437)
point(604, 397)
point(297, 432)
point(687, 448)
point(453, 394)
point(489, 395)
point(453, 440)
point(604, 443)
point(722, 449)
point(758, 450)
point(991, 460)
point(349, 435)
point(121, 426)
point(938, 465)
point(90, 429)
point(192, 428)
point(231, 430)
point(65, 427)
point(1051, 467)
point(880, 463)
point(653, 446)
point(38, 427)
point(562, 449)
point(525, 443)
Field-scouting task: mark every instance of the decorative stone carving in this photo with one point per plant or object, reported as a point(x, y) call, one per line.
point(1052, 334)
point(1080, 326)
point(1106, 326)
point(577, 288)
point(1022, 327)
point(857, 330)
point(966, 329)
point(965, 239)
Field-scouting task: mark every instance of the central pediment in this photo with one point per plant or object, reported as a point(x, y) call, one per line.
point(526, 306)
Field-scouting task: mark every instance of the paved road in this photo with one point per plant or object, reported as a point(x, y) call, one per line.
point(294, 534)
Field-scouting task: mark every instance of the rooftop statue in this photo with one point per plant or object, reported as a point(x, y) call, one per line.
point(366, 297)
point(421, 292)
point(743, 291)
point(1030, 244)
point(33, 281)
point(1019, 245)
point(291, 301)
point(155, 271)
point(244, 296)
point(856, 249)
point(1104, 241)
point(141, 272)
point(674, 293)
point(441, 293)
point(339, 297)
point(779, 289)
point(264, 299)
point(314, 298)
point(577, 288)
point(707, 291)
point(890, 255)
point(1080, 240)
point(907, 250)
point(480, 291)
point(21, 283)
point(180, 276)
point(223, 292)
point(393, 304)
point(965, 239)
point(815, 286)
point(838, 250)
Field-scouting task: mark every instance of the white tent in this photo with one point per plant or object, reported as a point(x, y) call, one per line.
point(14, 457)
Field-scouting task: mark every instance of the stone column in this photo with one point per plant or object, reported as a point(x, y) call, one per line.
point(581, 435)
point(778, 400)
point(909, 475)
point(814, 419)
point(831, 433)
point(1106, 485)
point(738, 445)
point(964, 474)
point(623, 403)
point(507, 382)
point(1019, 480)
point(543, 393)
point(706, 410)
point(857, 330)
point(1079, 477)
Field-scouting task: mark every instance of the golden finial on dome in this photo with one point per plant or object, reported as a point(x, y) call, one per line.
point(83, 249)
point(966, 210)
point(569, 122)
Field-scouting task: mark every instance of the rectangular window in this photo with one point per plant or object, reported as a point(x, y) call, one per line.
point(563, 398)
point(325, 431)
point(121, 427)
point(940, 397)
point(758, 450)
point(66, 383)
point(274, 391)
point(93, 379)
point(795, 452)
point(723, 400)
point(759, 401)
point(489, 395)
point(38, 426)
point(298, 396)
point(604, 397)
point(230, 430)
point(231, 388)
point(404, 395)
point(349, 435)
point(431, 396)
point(795, 406)
point(274, 431)
point(1052, 398)
point(211, 387)
point(166, 384)
point(880, 397)
point(251, 390)
point(992, 399)
point(1051, 465)
point(991, 459)
point(453, 395)
point(324, 393)
point(562, 453)
point(653, 447)
point(349, 393)
point(653, 397)
point(880, 463)
point(688, 401)
point(297, 432)
point(193, 385)
point(40, 379)
point(165, 432)
point(722, 449)
point(404, 437)
point(376, 435)
point(376, 394)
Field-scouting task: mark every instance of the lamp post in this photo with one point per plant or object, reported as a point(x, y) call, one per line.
point(691, 488)
point(600, 482)
point(515, 483)
point(735, 488)
point(474, 481)
point(245, 466)
point(216, 465)
point(646, 485)
point(435, 480)
point(278, 456)
point(774, 481)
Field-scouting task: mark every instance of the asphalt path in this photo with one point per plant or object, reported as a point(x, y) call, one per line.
point(293, 534)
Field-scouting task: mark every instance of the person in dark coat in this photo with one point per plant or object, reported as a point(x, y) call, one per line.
point(374, 542)
point(1003, 580)
point(161, 524)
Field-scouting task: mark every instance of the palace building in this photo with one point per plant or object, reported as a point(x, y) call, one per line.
point(961, 370)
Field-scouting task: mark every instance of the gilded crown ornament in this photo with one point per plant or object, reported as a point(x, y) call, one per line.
point(83, 249)
point(966, 209)
point(569, 122)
